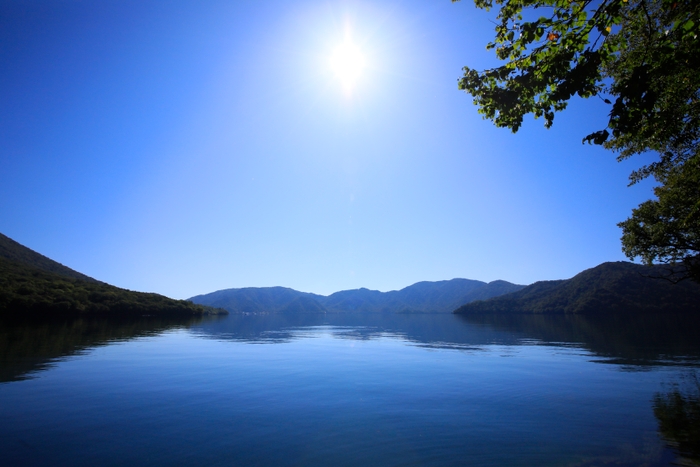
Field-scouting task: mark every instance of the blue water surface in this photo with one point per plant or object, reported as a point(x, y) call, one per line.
point(412, 390)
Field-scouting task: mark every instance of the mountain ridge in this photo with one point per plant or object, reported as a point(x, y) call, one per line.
point(33, 286)
point(421, 297)
point(610, 287)
point(18, 253)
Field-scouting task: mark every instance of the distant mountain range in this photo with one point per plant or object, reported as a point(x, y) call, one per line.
point(32, 285)
point(422, 297)
point(607, 288)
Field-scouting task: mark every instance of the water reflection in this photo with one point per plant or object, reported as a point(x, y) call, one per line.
point(30, 347)
point(222, 395)
point(426, 330)
point(678, 414)
point(631, 341)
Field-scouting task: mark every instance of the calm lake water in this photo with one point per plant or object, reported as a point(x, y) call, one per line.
point(351, 390)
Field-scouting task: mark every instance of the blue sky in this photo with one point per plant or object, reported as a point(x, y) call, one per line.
point(182, 147)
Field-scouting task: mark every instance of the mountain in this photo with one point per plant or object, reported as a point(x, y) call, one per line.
point(606, 288)
point(32, 285)
point(259, 300)
point(422, 297)
point(16, 253)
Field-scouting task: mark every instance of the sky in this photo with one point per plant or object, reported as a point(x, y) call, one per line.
point(183, 147)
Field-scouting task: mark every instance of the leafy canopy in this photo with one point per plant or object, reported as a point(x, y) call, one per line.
point(668, 229)
point(642, 57)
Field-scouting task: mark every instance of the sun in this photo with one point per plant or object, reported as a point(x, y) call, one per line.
point(347, 62)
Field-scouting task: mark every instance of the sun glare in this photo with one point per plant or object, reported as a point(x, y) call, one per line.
point(347, 62)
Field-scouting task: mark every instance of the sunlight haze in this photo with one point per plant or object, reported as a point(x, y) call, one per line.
point(348, 63)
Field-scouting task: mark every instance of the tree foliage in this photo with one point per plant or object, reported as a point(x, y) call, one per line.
point(642, 57)
point(667, 229)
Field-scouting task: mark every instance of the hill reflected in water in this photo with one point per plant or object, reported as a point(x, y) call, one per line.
point(634, 340)
point(29, 347)
point(360, 388)
point(630, 341)
point(624, 339)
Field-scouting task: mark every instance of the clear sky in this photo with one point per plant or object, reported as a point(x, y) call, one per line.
point(182, 147)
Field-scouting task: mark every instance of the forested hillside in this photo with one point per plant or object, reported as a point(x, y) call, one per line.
point(607, 288)
point(32, 285)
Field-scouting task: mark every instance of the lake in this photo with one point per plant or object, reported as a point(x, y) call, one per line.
point(351, 390)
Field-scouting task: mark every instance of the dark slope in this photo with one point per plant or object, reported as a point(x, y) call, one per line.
point(607, 288)
point(33, 286)
point(17, 253)
point(422, 297)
